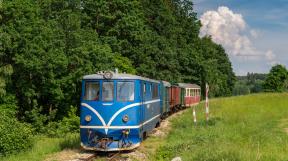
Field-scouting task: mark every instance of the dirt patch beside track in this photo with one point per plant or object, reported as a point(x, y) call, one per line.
point(67, 154)
point(165, 126)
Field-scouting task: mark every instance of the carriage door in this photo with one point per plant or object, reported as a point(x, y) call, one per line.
point(143, 99)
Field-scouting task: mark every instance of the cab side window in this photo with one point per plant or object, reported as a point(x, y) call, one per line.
point(125, 91)
point(144, 89)
point(92, 91)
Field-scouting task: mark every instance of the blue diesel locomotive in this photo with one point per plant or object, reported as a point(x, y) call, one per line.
point(119, 110)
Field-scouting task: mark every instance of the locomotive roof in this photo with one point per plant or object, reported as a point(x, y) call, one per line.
point(188, 85)
point(119, 76)
point(166, 84)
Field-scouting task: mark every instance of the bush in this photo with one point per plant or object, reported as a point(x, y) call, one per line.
point(69, 124)
point(277, 79)
point(14, 135)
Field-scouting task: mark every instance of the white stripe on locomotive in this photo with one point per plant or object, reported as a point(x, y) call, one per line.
point(120, 127)
point(106, 127)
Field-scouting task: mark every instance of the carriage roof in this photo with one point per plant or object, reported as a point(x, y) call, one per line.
point(120, 76)
point(166, 84)
point(188, 85)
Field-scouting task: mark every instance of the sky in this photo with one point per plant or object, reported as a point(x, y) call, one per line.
point(254, 33)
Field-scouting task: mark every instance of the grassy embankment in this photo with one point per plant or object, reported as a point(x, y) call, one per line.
point(45, 146)
point(245, 128)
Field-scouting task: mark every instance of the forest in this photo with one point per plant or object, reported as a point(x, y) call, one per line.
point(47, 46)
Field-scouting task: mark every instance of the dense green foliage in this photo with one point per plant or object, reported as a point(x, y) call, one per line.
point(241, 128)
point(14, 135)
point(277, 79)
point(47, 46)
point(69, 124)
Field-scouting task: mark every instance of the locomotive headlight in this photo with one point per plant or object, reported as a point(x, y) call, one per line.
point(88, 118)
point(125, 118)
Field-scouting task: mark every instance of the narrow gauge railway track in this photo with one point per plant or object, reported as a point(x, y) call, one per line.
point(112, 156)
point(89, 158)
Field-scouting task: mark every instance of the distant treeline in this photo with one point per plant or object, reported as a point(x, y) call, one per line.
point(47, 46)
point(251, 83)
point(275, 81)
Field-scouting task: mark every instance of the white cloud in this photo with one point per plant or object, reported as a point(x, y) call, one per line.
point(254, 34)
point(270, 55)
point(230, 30)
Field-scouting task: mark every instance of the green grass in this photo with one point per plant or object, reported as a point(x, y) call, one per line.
point(44, 146)
point(245, 128)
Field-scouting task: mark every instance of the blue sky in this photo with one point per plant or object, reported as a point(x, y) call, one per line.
point(269, 20)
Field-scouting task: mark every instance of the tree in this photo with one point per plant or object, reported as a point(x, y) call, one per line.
point(49, 51)
point(241, 88)
point(277, 79)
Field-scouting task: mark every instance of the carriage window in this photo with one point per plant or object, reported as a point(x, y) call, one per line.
point(125, 91)
point(107, 91)
point(191, 92)
point(144, 89)
point(92, 90)
point(155, 91)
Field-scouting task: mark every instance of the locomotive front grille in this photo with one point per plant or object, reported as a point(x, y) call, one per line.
point(104, 142)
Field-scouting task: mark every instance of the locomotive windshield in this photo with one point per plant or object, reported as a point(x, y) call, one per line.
point(125, 91)
point(92, 90)
point(107, 91)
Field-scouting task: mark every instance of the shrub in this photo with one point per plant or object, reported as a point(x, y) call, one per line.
point(277, 79)
point(69, 124)
point(14, 135)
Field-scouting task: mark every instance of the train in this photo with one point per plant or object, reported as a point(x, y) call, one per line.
point(118, 110)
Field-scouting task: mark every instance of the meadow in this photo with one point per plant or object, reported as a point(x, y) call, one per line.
point(243, 128)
